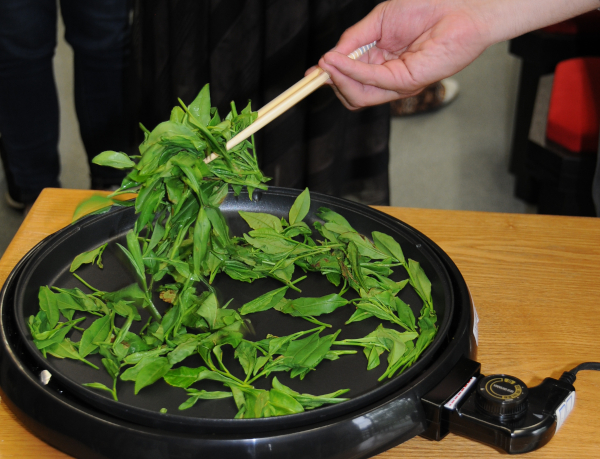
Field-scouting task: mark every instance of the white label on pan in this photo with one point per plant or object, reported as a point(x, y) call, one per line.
point(475, 320)
point(451, 405)
point(476, 325)
point(563, 411)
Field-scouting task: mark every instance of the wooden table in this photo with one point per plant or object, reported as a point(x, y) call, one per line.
point(535, 281)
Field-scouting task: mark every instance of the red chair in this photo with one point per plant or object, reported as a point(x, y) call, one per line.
point(540, 52)
point(564, 161)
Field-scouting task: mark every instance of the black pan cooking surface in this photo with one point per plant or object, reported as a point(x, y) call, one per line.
point(50, 264)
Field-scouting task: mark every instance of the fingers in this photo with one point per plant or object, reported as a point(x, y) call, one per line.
point(437, 53)
point(355, 94)
point(390, 75)
point(423, 41)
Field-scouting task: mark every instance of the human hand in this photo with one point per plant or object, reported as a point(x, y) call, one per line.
point(420, 42)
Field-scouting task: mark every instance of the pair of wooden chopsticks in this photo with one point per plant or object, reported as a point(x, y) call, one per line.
point(289, 98)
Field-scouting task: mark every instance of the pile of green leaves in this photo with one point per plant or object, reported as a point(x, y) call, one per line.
point(181, 241)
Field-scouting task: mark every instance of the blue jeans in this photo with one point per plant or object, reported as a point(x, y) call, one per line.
point(98, 31)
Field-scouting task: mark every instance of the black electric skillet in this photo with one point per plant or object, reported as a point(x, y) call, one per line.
point(50, 263)
point(442, 392)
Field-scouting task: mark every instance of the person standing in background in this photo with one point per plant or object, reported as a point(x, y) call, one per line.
point(98, 31)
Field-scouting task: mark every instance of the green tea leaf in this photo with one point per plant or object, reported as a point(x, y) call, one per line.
point(183, 351)
point(330, 216)
point(246, 354)
point(359, 315)
point(405, 314)
point(137, 357)
point(257, 220)
point(48, 304)
point(329, 235)
point(281, 404)
point(66, 350)
point(112, 367)
point(132, 293)
point(201, 239)
point(151, 373)
point(200, 107)
point(183, 376)
point(270, 243)
point(196, 395)
point(134, 249)
point(428, 331)
point(419, 281)
point(113, 159)
point(56, 335)
point(175, 188)
point(264, 302)
point(365, 248)
point(177, 115)
point(140, 272)
point(376, 310)
point(95, 333)
point(356, 274)
point(308, 401)
point(125, 328)
point(372, 353)
point(100, 386)
point(88, 257)
point(300, 208)
point(303, 355)
point(208, 310)
point(219, 225)
point(132, 344)
point(254, 402)
point(66, 302)
point(124, 309)
point(388, 245)
point(217, 195)
point(302, 307)
point(150, 206)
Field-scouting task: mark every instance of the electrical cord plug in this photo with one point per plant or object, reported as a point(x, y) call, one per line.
point(570, 376)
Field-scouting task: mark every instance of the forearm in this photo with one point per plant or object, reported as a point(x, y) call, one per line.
point(510, 18)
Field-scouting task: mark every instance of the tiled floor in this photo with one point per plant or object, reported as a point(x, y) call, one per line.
point(455, 158)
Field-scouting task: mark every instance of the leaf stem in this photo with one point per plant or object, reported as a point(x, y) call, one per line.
point(114, 391)
point(85, 283)
point(315, 321)
point(152, 309)
point(90, 364)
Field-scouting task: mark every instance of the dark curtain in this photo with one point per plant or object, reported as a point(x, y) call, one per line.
point(256, 49)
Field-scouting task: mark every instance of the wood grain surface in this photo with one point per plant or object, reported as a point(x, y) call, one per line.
point(535, 281)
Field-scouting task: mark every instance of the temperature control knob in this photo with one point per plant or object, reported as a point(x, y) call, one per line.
point(502, 396)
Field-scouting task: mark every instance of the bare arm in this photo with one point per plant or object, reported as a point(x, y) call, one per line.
point(422, 41)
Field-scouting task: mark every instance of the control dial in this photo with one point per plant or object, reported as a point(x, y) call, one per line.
point(502, 396)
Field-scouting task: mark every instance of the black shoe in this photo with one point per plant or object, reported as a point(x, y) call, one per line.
point(13, 203)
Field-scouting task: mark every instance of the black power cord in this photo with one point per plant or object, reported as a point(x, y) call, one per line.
point(570, 376)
